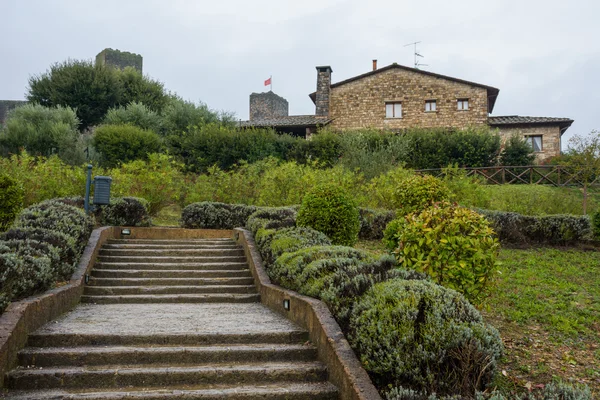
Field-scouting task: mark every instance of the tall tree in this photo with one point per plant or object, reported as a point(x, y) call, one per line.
point(584, 160)
point(90, 90)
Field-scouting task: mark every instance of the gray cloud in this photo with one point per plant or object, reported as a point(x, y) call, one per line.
point(542, 54)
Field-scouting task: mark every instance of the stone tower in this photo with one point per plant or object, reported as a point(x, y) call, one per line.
point(120, 59)
point(267, 106)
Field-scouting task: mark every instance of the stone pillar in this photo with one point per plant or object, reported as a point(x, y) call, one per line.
point(323, 90)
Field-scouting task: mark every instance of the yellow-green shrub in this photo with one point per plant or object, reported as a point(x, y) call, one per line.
point(419, 192)
point(11, 200)
point(454, 245)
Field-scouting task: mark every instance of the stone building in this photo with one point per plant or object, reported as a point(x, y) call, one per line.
point(397, 97)
point(120, 59)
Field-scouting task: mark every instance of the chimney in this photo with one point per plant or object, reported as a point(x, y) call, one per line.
point(374, 65)
point(323, 89)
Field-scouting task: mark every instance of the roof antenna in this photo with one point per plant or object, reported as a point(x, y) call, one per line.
point(417, 63)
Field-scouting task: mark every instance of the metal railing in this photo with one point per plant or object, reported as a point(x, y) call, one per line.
point(554, 175)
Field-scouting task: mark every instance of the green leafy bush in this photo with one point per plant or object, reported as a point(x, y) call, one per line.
point(181, 116)
point(331, 210)
point(65, 245)
point(140, 89)
point(272, 218)
point(289, 240)
point(517, 152)
point(418, 335)
point(136, 114)
point(419, 192)
point(213, 215)
point(123, 143)
point(11, 200)
point(340, 281)
point(57, 216)
point(373, 223)
point(596, 224)
point(286, 269)
point(42, 131)
point(124, 211)
point(552, 229)
point(382, 189)
point(452, 244)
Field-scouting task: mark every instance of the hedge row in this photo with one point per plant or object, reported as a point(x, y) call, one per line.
point(214, 215)
point(42, 247)
point(552, 229)
point(407, 331)
point(122, 211)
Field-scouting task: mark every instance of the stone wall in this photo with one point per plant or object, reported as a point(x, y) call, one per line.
point(551, 140)
point(267, 105)
point(120, 59)
point(361, 103)
point(6, 106)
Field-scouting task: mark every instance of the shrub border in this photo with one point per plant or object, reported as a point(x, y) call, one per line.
point(25, 316)
point(345, 371)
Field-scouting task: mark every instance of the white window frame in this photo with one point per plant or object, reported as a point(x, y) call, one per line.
point(396, 109)
point(430, 105)
point(530, 139)
point(461, 103)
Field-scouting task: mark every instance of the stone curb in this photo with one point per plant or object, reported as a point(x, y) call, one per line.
point(25, 316)
point(345, 371)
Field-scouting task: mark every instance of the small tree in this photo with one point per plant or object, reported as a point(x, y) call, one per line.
point(584, 160)
point(517, 152)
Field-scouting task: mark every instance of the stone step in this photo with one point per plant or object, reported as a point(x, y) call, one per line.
point(169, 266)
point(169, 281)
point(92, 355)
point(123, 290)
point(41, 339)
point(214, 252)
point(186, 273)
point(172, 298)
point(215, 241)
point(155, 376)
point(191, 246)
point(277, 391)
point(170, 260)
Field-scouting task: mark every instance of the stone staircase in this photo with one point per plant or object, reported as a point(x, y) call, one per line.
point(170, 319)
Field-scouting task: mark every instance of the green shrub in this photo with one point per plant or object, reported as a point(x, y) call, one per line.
point(181, 116)
point(124, 211)
point(60, 217)
point(517, 152)
point(419, 192)
point(553, 229)
point(158, 180)
point(272, 218)
point(287, 269)
point(212, 215)
point(289, 240)
point(68, 251)
point(382, 189)
point(123, 143)
point(332, 211)
point(373, 223)
point(400, 393)
point(136, 114)
point(340, 281)
point(42, 131)
point(11, 200)
point(468, 191)
point(452, 244)
point(418, 335)
point(596, 224)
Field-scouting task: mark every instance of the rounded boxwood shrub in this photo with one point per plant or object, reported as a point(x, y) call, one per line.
point(287, 269)
point(215, 215)
point(11, 200)
point(422, 336)
point(272, 218)
point(331, 210)
point(66, 245)
point(58, 217)
point(452, 244)
point(289, 240)
point(340, 281)
point(419, 192)
point(124, 211)
point(596, 224)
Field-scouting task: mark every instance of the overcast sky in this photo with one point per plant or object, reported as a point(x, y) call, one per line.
point(544, 55)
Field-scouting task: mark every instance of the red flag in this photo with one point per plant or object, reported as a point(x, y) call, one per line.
point(268, 82)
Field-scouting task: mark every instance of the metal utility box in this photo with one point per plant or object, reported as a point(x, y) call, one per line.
point(102, 190)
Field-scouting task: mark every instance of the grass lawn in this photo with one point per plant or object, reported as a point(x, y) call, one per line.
point(168, 216)
point(546, 305)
